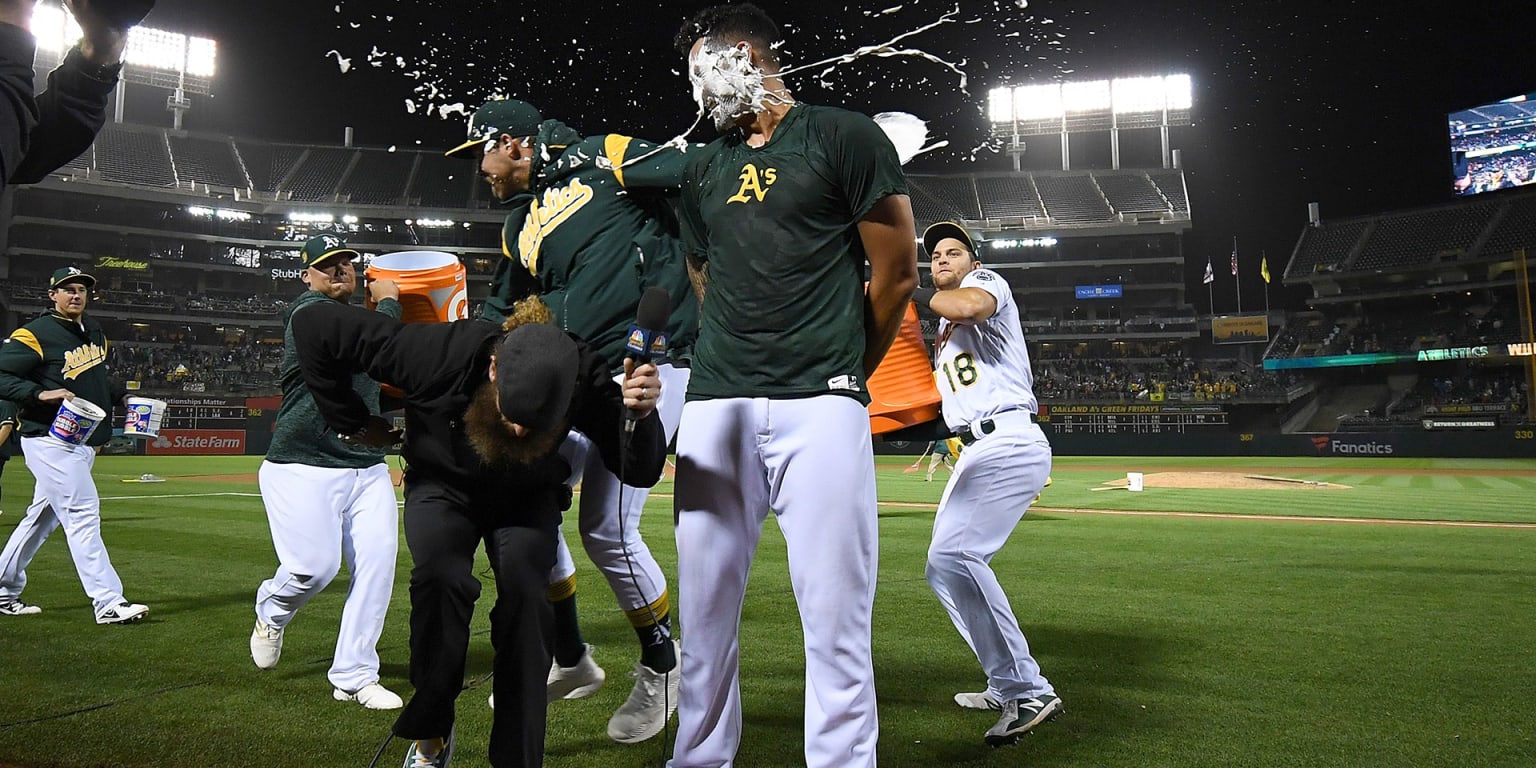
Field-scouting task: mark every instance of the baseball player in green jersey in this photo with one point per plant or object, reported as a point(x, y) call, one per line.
point(10, 426)
point(982, 369)
point(779, 216)
point(589, 231)
point(57, 357)
point(326, 498)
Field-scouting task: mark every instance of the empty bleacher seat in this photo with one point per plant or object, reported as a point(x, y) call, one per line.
point(1420, 237)
point(1072, 199)
point(443, 182)
point(319, 173)
point(1007, 196)
point(268, 164)
point(134, 156)
point(1324, 247)
point(1171, 184)
point(1516, 230)
point(207, 161)
point(1131, 193)
point(379, 177)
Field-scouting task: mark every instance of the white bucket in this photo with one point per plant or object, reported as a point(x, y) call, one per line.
point(1133, 481)
point(144, 416)
point(76, 420)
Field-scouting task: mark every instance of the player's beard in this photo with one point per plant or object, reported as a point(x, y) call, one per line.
point(492, 437)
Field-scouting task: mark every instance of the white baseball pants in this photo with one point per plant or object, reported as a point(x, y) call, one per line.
point(320, 516)
point(993, 483)
point(809, 462)
point(66, 496)
point(611, 534)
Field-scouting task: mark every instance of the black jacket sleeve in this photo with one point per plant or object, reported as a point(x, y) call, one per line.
point(56, 126)
point(636, 457)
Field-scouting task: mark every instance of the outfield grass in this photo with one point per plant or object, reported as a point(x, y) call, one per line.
point(1174, 641)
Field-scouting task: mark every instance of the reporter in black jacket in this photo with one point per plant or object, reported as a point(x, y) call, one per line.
point(485, 410)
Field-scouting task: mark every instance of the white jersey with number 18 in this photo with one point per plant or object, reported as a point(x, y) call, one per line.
point(983, 369)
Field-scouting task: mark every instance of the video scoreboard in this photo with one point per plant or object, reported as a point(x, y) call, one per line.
point(1138, 419)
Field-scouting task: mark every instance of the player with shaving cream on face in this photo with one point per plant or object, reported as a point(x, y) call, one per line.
point(779, 215)
point(982, 370)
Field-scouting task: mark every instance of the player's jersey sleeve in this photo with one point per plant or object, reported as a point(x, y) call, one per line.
point(865, 161)
point(19, 356)
point(992, 283)
point(660, 168)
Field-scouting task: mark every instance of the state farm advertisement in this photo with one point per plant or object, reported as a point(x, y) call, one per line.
point(200, 442)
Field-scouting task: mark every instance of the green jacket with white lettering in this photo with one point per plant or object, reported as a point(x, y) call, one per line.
point(54, 352)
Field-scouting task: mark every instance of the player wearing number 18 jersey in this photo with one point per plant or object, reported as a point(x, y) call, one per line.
point(983, 374)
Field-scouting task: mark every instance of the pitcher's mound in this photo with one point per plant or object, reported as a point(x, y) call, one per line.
point(1225, 481)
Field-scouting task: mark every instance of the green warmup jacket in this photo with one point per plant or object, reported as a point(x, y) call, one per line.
point(593, 235)
point(54, 352)
point(300, 435)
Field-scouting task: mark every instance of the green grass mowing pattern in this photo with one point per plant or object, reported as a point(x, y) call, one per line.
point(1173, 641)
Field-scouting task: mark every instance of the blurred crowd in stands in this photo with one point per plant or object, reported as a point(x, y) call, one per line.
point(244, 365)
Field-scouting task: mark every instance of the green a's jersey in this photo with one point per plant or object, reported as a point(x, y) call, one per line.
point(592, 237)
point(10, 414)
point(54, 352)
point(300, 435)
point(783, 313)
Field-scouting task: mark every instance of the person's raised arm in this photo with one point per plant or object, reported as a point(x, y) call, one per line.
point(887, 232)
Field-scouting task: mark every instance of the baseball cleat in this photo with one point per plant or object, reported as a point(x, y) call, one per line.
point(416, 757)
point(576, 682)
point(18, 608)
point(1021, 715)
point(123, 613)
point(266, 644)
point(372, 696)
point(650, 704)
point(983, 701)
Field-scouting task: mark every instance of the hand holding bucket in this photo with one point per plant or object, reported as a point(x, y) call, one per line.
point(432, 285)
point(76, 420)
point(143, 417)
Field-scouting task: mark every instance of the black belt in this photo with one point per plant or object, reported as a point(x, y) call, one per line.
point(988, 426)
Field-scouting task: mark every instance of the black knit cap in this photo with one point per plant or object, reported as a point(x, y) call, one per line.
point(535, 375)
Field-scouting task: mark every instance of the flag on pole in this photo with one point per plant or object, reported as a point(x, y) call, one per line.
point(1264, 267)
point(1234, 259)
point(1210, 275)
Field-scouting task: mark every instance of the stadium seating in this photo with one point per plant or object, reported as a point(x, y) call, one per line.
point(268, 164)
point(442, 182)
point(1421, 237)
point(1516, 229)
point(1171, 184)
point(319, 174)
point(1072, 199)
point(954, 194)
point(137, 156)
point(1323, 247)
point(1008, 196)
point(378, 178)
point(1131, 193)
point(207, 161)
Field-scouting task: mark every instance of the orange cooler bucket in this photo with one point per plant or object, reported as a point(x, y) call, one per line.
point(433, 287)
point(901, 391)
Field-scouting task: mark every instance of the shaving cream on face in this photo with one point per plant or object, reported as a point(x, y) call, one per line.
point(726, 85)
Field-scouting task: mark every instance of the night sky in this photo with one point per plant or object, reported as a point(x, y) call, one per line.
point(1338, 102)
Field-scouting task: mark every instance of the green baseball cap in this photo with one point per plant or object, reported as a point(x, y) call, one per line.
point(323, 247)
point(64, 275)
point(493, 118)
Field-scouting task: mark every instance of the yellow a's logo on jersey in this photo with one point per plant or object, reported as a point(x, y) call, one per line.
point(755, 182)
point(82, 359)
point(544, 215)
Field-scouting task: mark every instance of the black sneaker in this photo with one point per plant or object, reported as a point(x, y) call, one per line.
point(18, 608)
point(1021, 715)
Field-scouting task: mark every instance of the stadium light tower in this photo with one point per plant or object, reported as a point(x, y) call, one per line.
point(158, 58)
point(1129, 103)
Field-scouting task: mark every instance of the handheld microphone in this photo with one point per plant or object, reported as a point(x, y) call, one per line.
point(648, 335)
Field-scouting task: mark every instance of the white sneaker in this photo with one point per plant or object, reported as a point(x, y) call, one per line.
point(649, 705)
point(122, 613)
point(18, 608)
point(266, 645)
point(372, 696)
point(982, 701)
point(576, 682)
